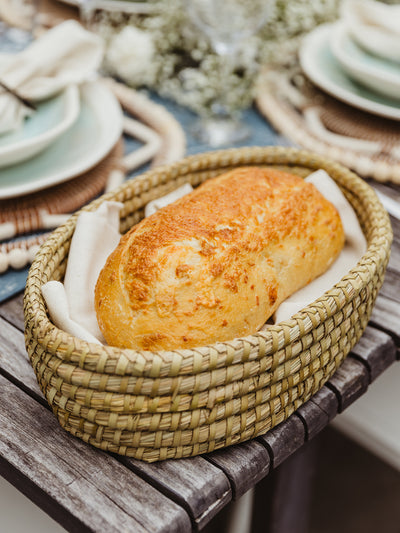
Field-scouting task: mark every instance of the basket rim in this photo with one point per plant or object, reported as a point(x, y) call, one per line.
point(276, 336)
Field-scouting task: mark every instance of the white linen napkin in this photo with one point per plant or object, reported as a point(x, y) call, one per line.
point(158, 203)
point(67, 54)
point(354, 248)
point(374, 25)
point(71, 306)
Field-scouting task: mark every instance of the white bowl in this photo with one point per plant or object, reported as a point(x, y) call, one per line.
point(374, 25)
point(378, 74)
point(90, 138)
point(52, 118)
point(323, 69)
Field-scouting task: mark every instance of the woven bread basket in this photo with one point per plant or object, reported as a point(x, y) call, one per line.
point(180, 403)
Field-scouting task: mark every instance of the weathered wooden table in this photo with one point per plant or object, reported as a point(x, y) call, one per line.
point(85, 489)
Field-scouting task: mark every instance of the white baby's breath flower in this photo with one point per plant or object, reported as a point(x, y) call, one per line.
point(130, 55)
point(167, 53)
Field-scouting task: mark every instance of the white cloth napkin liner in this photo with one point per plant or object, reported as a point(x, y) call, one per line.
point(67, 54)
point(71, 306)
point(158, 203)
point(354, 248)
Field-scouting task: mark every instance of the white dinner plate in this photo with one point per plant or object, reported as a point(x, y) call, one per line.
point(51, 119)
point(319, 64)
point(375, 73)
point(92, 136)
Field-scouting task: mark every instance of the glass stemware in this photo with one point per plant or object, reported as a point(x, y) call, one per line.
point(227, 24)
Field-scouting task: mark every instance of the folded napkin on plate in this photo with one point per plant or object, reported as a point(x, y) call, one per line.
point(374, 25)
point(67, 54)
point(71, 306)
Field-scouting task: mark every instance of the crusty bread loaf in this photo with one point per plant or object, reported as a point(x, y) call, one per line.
point(215, 264)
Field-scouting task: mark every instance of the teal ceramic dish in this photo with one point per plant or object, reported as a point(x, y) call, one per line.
point(377, 74)
point(51, 119)
point(94, 133)
point(321, 67)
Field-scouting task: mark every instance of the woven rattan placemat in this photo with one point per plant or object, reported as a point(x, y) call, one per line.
point(310, 118)
point(26, 212)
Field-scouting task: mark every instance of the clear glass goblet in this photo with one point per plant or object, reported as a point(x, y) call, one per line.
point(227, 24)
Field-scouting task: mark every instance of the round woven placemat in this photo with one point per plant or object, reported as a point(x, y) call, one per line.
point(25, 212)
point(312, 119)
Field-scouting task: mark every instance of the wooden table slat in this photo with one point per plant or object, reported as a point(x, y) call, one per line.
point(196, 484)
point(245, 465)
point(86, 483)
point(314, 419)
point(284, 439)
point(349, 382)
point(12, 311)
point(392, 279)
point(376, 350)
point(394, 261)
point(385, 316)
point(326, 400)
point(14, 359)
point(396, 229)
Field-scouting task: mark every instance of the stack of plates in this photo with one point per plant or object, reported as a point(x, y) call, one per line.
point(340, 65)
point(67, 135)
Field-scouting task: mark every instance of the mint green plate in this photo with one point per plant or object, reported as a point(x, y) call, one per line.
point(51, 119)
point(320, 65)
point(91, 137)
point(379, 75)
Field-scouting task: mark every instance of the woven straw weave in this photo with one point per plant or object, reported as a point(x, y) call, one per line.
point(181, 403)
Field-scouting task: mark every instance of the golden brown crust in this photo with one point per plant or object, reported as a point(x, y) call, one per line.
point(216, 264)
